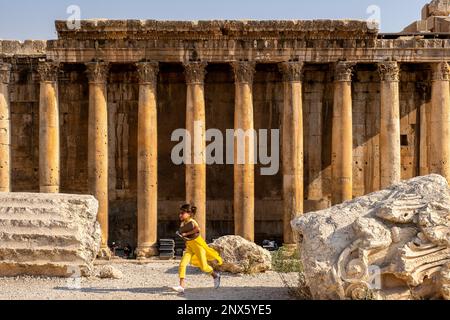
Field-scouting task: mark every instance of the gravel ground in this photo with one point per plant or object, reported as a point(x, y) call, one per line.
point(148, 281)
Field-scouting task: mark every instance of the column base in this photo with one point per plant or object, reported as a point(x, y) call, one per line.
point(145, 252)
point(104, 254)
point(49, 189)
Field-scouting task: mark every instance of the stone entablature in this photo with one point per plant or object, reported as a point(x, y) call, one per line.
point(217, 29)
point(315, 41)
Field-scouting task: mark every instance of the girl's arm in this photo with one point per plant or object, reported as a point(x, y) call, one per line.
point(193, 231)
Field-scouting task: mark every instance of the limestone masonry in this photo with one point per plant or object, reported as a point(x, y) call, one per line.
point(392, 244)
point(92, 112)
point(48, 234)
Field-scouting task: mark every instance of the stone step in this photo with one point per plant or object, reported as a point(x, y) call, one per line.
point(12, 207)
point(31, 214)
point(31, 255)
point(32, 229)
point(37, 238)
point(45, 234)
point(35, 223)
point(41, 268)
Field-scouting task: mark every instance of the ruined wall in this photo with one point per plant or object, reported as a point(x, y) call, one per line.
point(317, 119)
point(415, 90)
point(268, 105)
point(219, 107)
point(74, 115)
point(366, 128)
point(24, 96)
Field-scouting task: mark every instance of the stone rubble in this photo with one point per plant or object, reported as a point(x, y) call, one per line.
point(391, 244)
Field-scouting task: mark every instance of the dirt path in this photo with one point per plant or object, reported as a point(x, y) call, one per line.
point(150, 281)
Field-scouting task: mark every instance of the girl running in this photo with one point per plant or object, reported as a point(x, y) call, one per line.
point(197, 253)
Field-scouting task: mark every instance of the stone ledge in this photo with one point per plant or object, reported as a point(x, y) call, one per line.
point(154, 29)
point(26, 48)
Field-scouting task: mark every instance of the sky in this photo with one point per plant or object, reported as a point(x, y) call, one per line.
point(34, 19)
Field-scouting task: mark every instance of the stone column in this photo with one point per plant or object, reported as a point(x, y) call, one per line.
point(48, 128)
point(147, 180)
point(98, 145)
point(439, 156)
point(195, 125)
point(5, 129)
point(244, 176)
point(390, 157)
point(342, 137)
point(423, 90)
point(292, 147)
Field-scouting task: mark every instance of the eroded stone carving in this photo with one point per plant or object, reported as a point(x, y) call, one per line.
point(292, 71)
point(344, 71)
point(195, 72)
point(48, 234)
point(48, 71)
point(148, 72)
point(97, 72)
point(244, 71)
point(439, 8)
point(389, 71)
point(391, 244)
point(441, 71)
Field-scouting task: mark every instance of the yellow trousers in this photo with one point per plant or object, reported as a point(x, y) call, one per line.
point(198, 253)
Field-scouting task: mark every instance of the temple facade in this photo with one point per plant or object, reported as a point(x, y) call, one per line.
point(93, 112)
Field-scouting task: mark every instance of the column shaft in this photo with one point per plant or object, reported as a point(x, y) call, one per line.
point(98, 146)
point(342, 137)
point(48, 129)
point(439, 156)
point(423, 122)
point(292, 142)
point(390, 155)
point(147, 180)
point(5, 129)
point(196, 126)
point(244, 177)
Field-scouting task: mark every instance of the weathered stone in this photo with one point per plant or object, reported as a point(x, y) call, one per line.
point(439, 8)
point(110, 272)
point(391, 244)
point(241, 256)
point(48, 234)
point(123, 58)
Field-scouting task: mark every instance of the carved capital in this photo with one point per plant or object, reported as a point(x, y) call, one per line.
point(195, 72)
point(244, 71)
point(148, 72)
point(292, 71)
point(389, 71)
point(5, 72)
point(97, 72)
point(441, 71)
point(343, 71)
point(48, 71)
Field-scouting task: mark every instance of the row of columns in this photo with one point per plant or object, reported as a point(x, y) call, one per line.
point(342, 137)
point(292, 139)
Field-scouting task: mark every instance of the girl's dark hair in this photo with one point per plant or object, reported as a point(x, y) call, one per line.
point(192, 210)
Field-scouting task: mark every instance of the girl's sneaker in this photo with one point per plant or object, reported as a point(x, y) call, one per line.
point(178, 289)
point(217, 281)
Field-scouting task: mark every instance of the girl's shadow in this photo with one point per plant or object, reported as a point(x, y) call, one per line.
point(193, 270)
